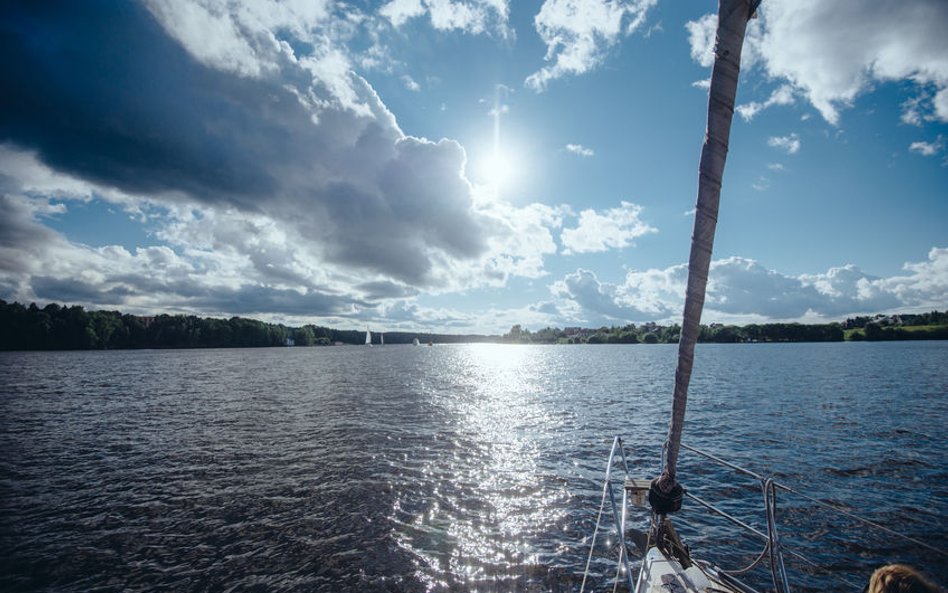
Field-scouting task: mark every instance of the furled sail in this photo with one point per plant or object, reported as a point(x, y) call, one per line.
point(733, 16)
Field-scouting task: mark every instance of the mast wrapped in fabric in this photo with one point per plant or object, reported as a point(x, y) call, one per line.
point(732, 24)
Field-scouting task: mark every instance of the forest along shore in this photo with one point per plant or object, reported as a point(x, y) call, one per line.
point(61, 327)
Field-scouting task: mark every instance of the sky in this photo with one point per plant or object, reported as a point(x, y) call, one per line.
point(462, 166)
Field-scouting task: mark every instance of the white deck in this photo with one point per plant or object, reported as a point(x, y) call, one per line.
point(663, 575)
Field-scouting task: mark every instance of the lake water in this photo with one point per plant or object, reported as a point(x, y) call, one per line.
point(446, 468)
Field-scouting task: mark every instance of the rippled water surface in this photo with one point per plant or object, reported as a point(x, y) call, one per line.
point(449, 468)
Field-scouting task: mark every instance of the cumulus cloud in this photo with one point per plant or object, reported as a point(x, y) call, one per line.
point(578, 34)
point(600, 303)
point(789, 144)
point(468, 16)
point(803, 44)
point(207, 276)
point(223, 261)
point(579, 150)
point(228, 36)
point(741, 290)
point(615, 228)
point(923, 284)
point(881, 41)
point(525, 239)
point(282, 178)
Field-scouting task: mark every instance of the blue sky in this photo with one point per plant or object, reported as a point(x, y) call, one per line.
point(462, 166)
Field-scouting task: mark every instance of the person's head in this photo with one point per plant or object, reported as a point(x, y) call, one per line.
point(898, 578)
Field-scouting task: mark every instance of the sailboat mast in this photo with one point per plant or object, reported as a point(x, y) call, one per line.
point(732, 24)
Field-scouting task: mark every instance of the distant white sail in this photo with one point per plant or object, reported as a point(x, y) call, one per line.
point(368, 337)
point(381, 339)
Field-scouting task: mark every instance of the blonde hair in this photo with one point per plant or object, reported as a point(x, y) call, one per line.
point(899, 578)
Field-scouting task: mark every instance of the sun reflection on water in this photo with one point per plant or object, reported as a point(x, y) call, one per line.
point(484, 499)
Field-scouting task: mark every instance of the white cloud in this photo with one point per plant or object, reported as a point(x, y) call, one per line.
point(928, 148)
point(580, 150)
point(914, 110)
point(924, 284)
point(520, 239)
point(830, 52)
point(410, 83)
point(240, 37)
point(701, 34)
point(615, 228)
point(881, 41)
point(600, 303)
point(212, 34)
point(741, 290)
point(783, 95)
point(701, 38)
point(578, 33)
point(789, 144)
point(468, 16)
point(249, 39)
point(398, 12)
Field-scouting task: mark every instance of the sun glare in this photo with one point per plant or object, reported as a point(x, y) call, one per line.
point(499, 169)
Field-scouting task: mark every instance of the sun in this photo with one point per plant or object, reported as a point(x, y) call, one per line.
point(499, 169)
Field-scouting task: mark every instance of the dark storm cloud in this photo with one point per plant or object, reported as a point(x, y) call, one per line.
point(101, 91)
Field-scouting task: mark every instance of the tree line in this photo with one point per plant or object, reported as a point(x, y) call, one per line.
point(651, 333)
point(56, 327)
point(60, 327)
point(909, 326)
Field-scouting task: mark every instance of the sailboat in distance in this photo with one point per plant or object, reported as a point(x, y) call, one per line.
point(368, 337)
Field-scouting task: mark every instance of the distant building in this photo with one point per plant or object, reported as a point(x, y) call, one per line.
point(290, 342)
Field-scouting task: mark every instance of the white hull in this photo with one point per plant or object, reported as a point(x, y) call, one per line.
point(660, 574)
